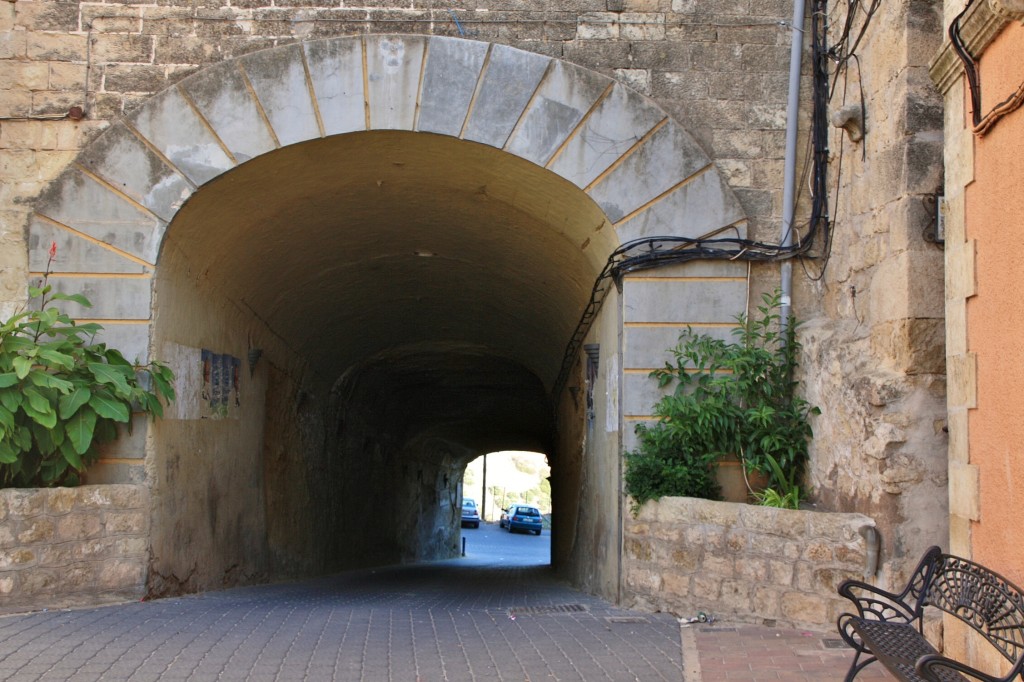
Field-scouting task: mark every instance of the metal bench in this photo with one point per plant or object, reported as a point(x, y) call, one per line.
point(888, 627)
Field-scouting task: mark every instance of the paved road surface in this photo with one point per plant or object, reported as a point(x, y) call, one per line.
point(495, 614)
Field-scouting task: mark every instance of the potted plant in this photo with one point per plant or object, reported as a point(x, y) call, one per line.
point(731, 399)
point(61, 393)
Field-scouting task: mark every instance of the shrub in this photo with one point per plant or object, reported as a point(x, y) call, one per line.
point(62, 394)
point(730, 398)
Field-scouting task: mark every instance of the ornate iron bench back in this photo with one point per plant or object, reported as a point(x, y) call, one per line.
point(986, 601)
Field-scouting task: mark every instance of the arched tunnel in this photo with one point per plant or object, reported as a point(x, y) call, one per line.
point(395, 304)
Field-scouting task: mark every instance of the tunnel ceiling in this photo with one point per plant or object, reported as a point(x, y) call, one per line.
point(358, 246)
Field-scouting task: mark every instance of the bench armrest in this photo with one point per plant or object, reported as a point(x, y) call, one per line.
point(878, 604)
point(929, 666)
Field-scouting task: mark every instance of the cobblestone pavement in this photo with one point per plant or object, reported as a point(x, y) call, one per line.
point(455, 620)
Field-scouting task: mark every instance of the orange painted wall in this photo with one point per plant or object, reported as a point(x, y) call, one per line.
point(995, 316)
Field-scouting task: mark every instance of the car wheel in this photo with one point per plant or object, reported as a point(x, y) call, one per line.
point(538, 532)
point(476, 525)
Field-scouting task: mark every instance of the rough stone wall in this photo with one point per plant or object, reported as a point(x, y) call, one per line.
point(739, 562)
point(874, 346)
point(70, 546)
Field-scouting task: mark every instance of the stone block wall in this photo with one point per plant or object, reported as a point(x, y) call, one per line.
point(740, 562)
point(64, 547)
point(719, 67)
point(874, 352)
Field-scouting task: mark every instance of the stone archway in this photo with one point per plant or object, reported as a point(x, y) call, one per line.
point(109, 211)
point(584, 143)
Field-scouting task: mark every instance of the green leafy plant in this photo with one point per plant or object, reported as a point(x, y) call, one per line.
point(62, 394)
point(787, 493)
point(730, 398)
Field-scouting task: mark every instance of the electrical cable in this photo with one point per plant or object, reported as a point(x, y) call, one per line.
point(652, 252)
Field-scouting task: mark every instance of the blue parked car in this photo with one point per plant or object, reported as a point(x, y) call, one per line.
point(524, 517)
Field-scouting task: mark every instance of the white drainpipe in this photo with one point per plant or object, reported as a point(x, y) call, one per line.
point(789, 169)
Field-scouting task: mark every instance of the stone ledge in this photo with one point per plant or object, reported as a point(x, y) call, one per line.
point(741, 562)
point(72, 546)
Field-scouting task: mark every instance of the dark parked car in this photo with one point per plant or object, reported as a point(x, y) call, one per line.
point(470, 515)
point(524, 517)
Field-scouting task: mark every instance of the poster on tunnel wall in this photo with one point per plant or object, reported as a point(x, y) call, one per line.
point(207, 384)
point(220, 394)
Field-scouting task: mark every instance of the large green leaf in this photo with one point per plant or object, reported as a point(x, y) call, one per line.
point(11, 398)
point(8, 379)
point(77, 298)
point(71, 456)
point(46, 380)
point(80, 430)
point(13, 344)
point(56, 358)
point(6, 419)
point(39, 408)
point(8, 453)
point(109, 406)
point(70, 403)
point(152, 404)
point(111, 375)
point(22, 366)
point(47, 439)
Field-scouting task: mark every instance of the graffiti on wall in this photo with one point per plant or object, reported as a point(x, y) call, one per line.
point(220, 392)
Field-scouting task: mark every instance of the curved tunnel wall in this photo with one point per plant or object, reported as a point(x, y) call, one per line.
point(329, 203)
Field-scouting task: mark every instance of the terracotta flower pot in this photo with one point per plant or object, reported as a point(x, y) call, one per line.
point(729, 474)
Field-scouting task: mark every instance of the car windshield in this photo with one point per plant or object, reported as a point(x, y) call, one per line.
point(468, 504)
point(528, 511)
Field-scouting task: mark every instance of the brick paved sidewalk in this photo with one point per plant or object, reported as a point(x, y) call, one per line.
point(759, 653)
